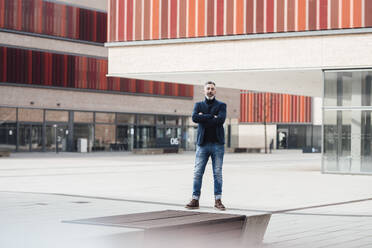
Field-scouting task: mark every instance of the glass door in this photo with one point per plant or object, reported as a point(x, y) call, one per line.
point(56, 137)
point(30, 137)
point(124, 138)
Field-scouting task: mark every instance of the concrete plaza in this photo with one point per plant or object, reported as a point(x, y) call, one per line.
point(38, 191)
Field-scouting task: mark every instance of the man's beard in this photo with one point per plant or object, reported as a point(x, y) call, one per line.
point(209, 97)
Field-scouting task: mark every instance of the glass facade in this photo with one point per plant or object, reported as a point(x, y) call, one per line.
point(347, 127)
point(28, 130)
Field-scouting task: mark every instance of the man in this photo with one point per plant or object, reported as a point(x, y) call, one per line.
point(210, 115)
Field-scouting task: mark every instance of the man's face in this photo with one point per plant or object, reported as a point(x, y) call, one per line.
point(209, 90)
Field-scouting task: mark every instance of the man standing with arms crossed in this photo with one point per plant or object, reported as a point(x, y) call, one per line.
point(210, 115)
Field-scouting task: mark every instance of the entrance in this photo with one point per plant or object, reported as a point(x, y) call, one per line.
point(282, 138)
point(56, 137)
point(30, 137)
point(124, 138)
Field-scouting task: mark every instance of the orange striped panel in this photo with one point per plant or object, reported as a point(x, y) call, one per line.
point(201, 18)
point(239, 20)
point(155, 19)
point(301, 15)
point(357, 14)
point(191, 26)
point(2, 13)
point(345, 13)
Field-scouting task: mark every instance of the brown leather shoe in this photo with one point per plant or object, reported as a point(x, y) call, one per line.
point(218, 205)
point(194, 204)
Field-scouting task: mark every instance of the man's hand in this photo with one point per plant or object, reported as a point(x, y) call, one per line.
point(200, 113)
point(215, 116)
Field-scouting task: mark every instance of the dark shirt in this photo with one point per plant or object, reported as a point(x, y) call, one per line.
point(210, 135)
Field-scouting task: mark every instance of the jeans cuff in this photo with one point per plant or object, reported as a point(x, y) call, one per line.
point(195, 197)
point(217, 197)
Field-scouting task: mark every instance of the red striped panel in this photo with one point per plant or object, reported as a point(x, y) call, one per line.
point(164, 19)
point(323, 14)
point(249, 16)
point(146, 20)
point(50, 69)
point(312, 14)
point(2, 13)
point(173, 17)
point(280, 15)
point(130, 20)
point(210, 18)
point(334, 14)
point(291, 14)
point(220, 17)
point(274, 108)
point(229, 17)
point(138, 22)
point(121, 26)
point(182, 28)
point(367, 14)
point(269, 16)
point(259, 16)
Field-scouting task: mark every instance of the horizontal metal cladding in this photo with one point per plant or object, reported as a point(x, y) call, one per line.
point(131, 20)
point(29, 67)
point(256, 107)
point(54, 19)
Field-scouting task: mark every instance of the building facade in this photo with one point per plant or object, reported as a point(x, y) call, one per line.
point(54, 90)
point(279, 46)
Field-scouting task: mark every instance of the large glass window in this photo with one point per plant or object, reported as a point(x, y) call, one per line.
point(104, 137)
point(144, 137)
point(124, 140)
point(8, 136)
point(8, 128)
point(56, 137)
point(30, 137)
point(83, 131)
point(347, 122)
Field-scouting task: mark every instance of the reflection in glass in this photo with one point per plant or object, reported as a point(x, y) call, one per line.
point(8, 136)
point(30, 137)
point(56, 137)
point(124, 138)
point(144, 137)
point(366, 141)
point(83, 131)
point(104, 137)
point(337, 141)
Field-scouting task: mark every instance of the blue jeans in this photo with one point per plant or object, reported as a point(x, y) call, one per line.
point(216, 152)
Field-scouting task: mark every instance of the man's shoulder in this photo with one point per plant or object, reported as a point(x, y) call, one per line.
point(220, 102)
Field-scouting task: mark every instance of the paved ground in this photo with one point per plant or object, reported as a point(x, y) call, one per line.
point(39, 191)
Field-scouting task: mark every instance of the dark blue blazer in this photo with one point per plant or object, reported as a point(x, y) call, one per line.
point(208, 119)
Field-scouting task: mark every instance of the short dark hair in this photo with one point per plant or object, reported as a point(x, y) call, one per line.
point(209, 82)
